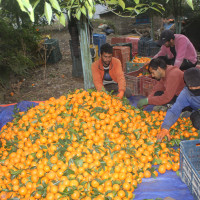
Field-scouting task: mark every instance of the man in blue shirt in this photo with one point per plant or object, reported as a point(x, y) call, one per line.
point(189, 96)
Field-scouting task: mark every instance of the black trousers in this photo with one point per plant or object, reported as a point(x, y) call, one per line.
point(195, 118)
point(186, 64)
point(173, 100)
point(114, 87)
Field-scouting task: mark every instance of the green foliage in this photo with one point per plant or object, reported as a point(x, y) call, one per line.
point(17, 50)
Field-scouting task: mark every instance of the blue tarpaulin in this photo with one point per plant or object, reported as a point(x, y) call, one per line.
point(6, 113)
point(165, 185)
point(168, 184)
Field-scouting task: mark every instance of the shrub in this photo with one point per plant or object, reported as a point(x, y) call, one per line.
point(18, 47)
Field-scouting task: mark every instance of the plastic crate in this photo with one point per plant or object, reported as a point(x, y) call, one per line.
point(115, 40)
point(133, 81)
point(123, 54)
point(190, 166)
point(53, 51)
point(146, 85)
point(153, 51)
point(134, 42)
point(125, 44)
point(99, 39)
point(132, 66)
point(147, 47)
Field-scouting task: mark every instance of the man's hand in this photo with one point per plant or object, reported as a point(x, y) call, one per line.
point(164, 132)
point(142, 102)
point(120, 94)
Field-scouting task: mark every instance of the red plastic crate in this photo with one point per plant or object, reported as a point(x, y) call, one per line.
point(115, 40)
point(123, 54)
point(133, 81)
point(146, 85)
point(134, 42)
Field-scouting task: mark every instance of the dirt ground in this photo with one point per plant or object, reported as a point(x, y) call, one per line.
point(58, 81)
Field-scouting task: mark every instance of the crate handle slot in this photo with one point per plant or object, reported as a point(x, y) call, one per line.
point(198, 144)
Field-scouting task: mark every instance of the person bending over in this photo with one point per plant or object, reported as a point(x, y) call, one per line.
point(189, 96)
point(177, 50)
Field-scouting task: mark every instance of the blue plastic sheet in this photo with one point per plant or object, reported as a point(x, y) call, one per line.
point(165, 185)
point(6, 113)
point(134, 99)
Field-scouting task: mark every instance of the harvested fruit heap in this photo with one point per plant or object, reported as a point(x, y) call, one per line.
point(87, 145)
point(141, 59)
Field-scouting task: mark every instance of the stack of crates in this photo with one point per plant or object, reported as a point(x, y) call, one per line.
point(147, 47)
point(134, 42)
point(115, 40)
point(125, 44)
point(99, 40)
point(140, 82)
point(133, 81)
point(123, 54)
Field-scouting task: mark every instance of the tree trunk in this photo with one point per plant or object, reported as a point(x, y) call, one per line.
point(85, 52)
point(152, 27)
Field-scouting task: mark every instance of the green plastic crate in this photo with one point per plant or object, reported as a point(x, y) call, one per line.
point(132, 66)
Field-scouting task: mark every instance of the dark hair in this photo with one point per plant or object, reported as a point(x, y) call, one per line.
point(195, 118)
point(166, 36)
point(157, 62)
point(192, 77)
point(106, 48)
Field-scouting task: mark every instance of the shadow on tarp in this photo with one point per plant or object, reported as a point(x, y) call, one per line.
point(6, 113)
point(134, 100)
point(165, 185)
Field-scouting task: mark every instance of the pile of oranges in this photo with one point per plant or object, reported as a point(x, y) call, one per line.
point(88, 145)
point(141, 59)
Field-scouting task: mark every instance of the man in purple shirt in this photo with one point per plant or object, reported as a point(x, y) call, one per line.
point(189, 96)
point(177, 50)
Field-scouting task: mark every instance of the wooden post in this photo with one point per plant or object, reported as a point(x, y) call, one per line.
point(152, 27)
point(85, 52)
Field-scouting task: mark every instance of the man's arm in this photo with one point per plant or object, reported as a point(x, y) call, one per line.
point(172, 83)
point(181, 48)
point(158, 87)
point(97, 80)
point(162, 52)
point(174, 113)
